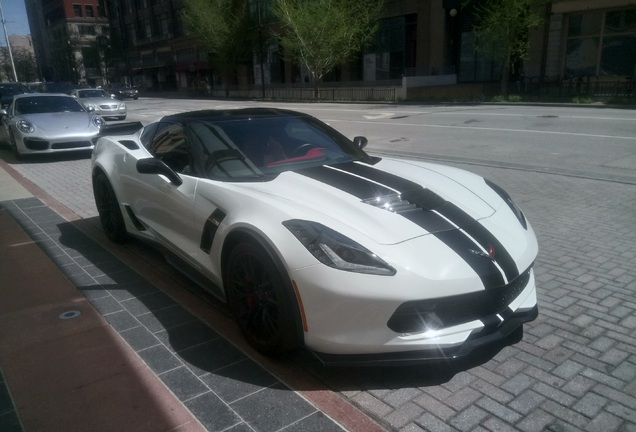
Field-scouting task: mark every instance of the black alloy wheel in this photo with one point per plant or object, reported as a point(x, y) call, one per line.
point(260, 299)
point(108, 208)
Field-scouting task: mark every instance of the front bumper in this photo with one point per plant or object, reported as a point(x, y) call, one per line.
point(486, 338)
point(37, 145)
point(110, 112)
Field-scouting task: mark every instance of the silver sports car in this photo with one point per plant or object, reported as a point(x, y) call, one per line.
point(102, 102)
point(48, 123)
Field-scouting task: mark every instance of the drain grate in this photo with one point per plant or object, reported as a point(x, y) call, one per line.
point(70, 314)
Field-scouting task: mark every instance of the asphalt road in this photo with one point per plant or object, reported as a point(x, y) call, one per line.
point(587, 142)
point(573, 171)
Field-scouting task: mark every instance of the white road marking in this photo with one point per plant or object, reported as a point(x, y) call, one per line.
point(485, 129)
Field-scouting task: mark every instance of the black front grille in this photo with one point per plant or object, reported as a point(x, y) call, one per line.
point(421, 315)
point(71, 145)
point(36, 144)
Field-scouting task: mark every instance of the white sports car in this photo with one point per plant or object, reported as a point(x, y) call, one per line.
point(313, 242)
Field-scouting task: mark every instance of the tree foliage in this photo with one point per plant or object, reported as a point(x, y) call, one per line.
point(223, 28)
point(321, 34)
point(502, 28)
point(25, 65)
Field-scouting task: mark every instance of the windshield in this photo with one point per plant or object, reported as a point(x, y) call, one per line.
point(12, 89)
point(255, 147)
point(92, 94)
point(46, 104)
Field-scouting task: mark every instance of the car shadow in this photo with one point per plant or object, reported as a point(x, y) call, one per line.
point(168, 335)
point(10, 157)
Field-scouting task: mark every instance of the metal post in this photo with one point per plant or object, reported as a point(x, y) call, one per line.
point(4, 26)
point(260, 46)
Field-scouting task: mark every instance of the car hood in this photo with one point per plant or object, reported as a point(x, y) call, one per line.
point(55, 122)
point(391, 202)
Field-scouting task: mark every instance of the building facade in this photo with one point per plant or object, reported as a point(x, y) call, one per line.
point(422, 42)
point(71, 39)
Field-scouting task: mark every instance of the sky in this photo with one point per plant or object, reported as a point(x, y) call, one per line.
point(15, 17)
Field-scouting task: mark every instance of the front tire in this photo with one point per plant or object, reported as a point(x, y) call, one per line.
point(261, 299)
point(14, 146)
point(108, 208)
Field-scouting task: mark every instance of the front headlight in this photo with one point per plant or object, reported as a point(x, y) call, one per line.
point(122, 106)
point(91, 107)
point(25, 126)
point(335, 250)
point(97, 121)
point(514, 207)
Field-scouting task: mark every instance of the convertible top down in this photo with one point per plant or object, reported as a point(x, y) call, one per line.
point(313, 242)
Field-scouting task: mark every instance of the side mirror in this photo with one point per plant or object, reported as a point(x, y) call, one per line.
point(360, 142)
point(155, 166)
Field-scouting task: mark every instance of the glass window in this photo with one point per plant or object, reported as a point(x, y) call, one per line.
point(595, 49)
point(170, 146)
point(89, 11)
point(163, 23)
point(77, 10)
point(619, 56)
point(585, 24)
point(620, 21)
point(147, 135)
point(86, 30)
point(581, 56)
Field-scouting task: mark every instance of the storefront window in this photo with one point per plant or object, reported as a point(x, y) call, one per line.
point(601, 43)
point(619, 56)
point(585, 24)
point(582, 56)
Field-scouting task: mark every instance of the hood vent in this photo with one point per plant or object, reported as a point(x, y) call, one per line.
point(416, 206)
point(410, 201)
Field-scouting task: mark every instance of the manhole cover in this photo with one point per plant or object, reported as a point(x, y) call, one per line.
point(70, 314)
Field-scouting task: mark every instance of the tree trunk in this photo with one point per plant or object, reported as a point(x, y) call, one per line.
point(505, 75)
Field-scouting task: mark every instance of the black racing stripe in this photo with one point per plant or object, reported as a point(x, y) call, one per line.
point(483, 237)
point(366, 182)
point(359, 187)
point(487, 271)
point(390, 180)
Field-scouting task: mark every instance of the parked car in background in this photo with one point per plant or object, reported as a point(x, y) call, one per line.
point(102, 102)
point(313, 242)
point(10, 89)
point(56, 87)
point(121, 91)
point(33, 86)
point(48, 123)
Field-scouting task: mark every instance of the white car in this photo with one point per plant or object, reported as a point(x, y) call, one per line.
point(37, 123)
point(102, 102)
point(313, 242)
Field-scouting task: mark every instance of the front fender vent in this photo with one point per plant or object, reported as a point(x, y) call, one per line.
point(136, 222)
point(130, 145)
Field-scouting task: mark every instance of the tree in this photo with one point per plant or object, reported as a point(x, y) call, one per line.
point(223, 28)
point(322, 34)
point(501, 30)
point(25, 65)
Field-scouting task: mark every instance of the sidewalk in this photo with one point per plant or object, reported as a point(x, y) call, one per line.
point(95, 337)
point(64, 367)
